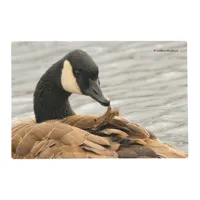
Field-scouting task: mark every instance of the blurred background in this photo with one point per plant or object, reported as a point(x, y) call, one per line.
point(146, 81)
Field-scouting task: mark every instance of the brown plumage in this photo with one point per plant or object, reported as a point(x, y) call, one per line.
point(87, 136)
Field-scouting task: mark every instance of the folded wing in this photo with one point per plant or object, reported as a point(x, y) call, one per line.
point(88, 136)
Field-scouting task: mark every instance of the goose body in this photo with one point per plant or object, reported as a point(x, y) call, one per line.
point(57, 132)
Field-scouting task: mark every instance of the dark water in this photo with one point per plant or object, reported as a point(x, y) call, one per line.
point(148, 87)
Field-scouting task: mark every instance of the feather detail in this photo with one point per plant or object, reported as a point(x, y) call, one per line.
point(87, 136)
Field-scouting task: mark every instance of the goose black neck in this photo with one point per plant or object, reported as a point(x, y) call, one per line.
point(50, 99)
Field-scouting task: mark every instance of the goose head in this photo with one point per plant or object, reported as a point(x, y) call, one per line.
point(80, 76)
point(75, 73)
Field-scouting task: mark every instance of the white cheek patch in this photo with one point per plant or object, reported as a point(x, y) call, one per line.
point(68, 79)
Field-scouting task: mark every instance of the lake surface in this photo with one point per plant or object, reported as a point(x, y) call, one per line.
point(145, 81)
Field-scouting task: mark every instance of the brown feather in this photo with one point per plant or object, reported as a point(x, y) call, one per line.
point(87, 136)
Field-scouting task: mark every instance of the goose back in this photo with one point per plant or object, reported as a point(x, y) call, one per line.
point(87, 136)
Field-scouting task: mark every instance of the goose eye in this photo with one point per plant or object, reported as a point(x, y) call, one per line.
point(77, 73)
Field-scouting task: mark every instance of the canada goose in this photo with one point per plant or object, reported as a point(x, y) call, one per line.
point(57, 132)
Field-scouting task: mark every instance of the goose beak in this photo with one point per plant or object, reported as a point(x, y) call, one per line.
point(95, 92)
